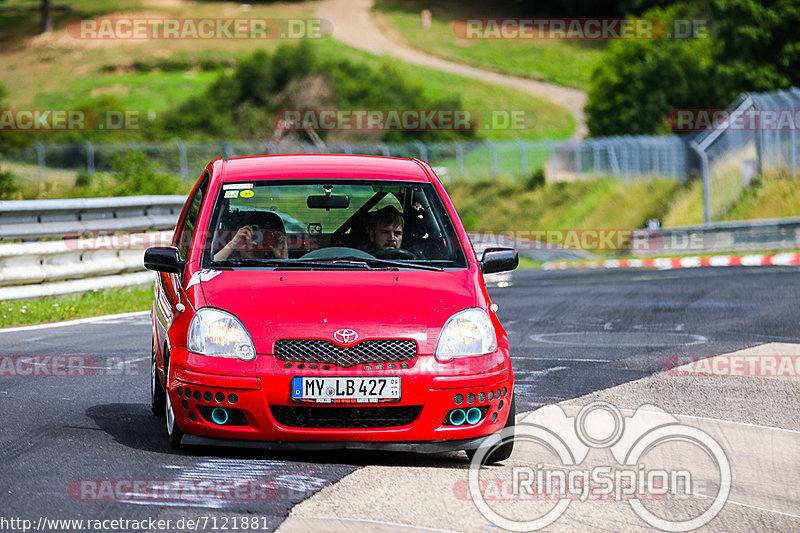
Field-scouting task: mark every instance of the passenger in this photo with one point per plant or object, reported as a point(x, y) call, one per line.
point(263, 236)
point(386, 229)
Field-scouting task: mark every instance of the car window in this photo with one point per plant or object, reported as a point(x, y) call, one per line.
point(332, 218)
point(190, 220)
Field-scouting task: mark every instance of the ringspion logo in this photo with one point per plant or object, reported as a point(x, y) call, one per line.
point(641, 469)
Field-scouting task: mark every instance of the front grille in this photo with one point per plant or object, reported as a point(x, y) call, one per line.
point(325, 352)
point(345, 417)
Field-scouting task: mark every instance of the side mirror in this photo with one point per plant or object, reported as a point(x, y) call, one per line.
point(499, 260)
point(163, 259)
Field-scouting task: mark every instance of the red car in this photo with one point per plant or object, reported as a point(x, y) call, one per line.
point(328, 301)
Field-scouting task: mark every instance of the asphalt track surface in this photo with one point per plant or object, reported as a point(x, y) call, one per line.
point(573, 333)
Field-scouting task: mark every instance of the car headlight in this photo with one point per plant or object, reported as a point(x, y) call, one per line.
point(217, 333)
point(468, 332)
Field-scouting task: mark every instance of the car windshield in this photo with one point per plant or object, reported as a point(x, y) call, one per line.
point(331, 224)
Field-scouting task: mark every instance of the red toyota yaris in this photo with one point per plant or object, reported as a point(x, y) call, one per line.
point(328, 301)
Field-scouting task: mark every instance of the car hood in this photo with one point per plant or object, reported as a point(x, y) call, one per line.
point(314, 304)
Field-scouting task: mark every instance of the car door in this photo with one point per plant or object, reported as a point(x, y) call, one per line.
point(169, 292)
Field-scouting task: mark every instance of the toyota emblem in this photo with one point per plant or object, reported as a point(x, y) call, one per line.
point(345, 336)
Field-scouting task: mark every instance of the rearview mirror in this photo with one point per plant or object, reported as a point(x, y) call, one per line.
point(163, 259)
point(499, 260)
point(328, 202)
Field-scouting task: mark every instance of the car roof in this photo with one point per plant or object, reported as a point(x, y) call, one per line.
point(333, 166)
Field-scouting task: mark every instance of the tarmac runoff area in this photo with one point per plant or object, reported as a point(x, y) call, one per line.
point(753, 419)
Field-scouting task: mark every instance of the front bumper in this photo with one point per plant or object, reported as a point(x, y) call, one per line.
point(248, 392)
point(281, 446)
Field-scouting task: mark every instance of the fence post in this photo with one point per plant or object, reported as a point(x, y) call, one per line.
point(523, 156)
point(423, 150)
point(613, 162)
point(182, 159)
point(226, 149)
point(40, 161)
point(89, 157)
point(493, 157)
point(459, 158)
point(706, 181)
point(793, 140)
point(578, 160)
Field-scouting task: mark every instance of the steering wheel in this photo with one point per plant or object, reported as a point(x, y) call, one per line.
point(336, 251)
point(398, 253)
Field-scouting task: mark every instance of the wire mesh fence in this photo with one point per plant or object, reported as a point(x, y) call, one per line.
point(757, 135)
point(727, 156)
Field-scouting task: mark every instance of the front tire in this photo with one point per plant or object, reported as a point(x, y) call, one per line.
point(503, 451)
point(174, 433)
point(157, 396)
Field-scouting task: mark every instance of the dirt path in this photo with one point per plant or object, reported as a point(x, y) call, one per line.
point(353, 25)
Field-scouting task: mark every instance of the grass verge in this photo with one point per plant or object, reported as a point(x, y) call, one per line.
point(568, 63)
point(69, 307)
point(595, 204)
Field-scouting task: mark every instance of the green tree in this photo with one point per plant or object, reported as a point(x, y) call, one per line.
point(639, 81)
point(760, 44)
point(752, 46)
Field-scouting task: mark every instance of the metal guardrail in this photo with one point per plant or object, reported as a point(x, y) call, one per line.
point(735, 236)
point(66, 264)
point(39, 219)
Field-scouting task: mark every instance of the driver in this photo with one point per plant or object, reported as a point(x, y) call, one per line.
point(262, 236)
point(386, 229)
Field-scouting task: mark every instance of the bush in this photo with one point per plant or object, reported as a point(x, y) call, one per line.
point(536, 179)
point(133, 174)
point(241, 105)
point(136, 174)
point(7, 185)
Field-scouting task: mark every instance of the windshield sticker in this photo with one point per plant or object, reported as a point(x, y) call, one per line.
point(236, 186)
point(231, 194)
point(246, 194)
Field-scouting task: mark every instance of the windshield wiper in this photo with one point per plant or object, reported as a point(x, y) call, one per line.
point(386, 262)
point(248, 262)
point(292, 263)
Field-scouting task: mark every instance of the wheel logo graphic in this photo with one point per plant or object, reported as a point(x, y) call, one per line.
point(629, 440)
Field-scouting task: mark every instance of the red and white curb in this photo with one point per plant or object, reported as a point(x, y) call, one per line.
point(666, 263)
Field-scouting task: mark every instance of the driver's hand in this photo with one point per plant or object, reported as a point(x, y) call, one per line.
point(242, 238)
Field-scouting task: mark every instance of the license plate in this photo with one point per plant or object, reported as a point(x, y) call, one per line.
point(346, 390)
